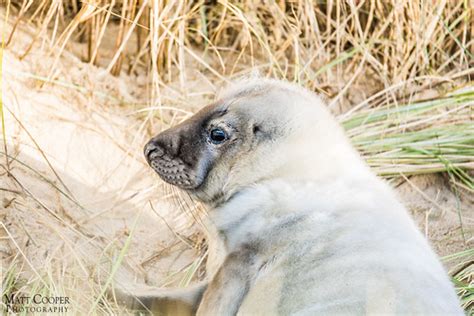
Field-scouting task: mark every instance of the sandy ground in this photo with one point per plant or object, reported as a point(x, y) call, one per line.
point(79, 186)
point(78, 183)
point(446, 218)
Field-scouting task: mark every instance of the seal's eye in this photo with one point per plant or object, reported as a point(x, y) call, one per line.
point(217, 136)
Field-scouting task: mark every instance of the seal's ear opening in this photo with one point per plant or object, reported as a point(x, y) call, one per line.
point(260, 134)
point(255, 129)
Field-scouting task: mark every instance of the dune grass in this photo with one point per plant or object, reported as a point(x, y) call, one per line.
point(372, 59)
point(419, 137)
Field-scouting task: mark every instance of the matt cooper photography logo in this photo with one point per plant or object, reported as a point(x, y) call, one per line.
point(36, 304)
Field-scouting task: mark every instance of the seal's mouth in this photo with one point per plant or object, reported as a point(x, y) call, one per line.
point(172, 170)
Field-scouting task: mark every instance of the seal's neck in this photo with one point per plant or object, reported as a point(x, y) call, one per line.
point(258, 210)
point(240, 218)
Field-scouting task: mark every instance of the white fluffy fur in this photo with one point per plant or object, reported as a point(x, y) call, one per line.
point(356, 251)
point(300, 224)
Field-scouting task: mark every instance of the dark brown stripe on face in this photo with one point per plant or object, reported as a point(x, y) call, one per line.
point(179, 154)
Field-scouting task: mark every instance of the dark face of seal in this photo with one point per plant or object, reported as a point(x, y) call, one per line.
point(184, 155)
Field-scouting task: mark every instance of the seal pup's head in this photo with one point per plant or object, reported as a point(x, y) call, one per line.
point(259, 130)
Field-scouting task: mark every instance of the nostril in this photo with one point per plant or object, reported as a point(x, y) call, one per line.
point(152, 151)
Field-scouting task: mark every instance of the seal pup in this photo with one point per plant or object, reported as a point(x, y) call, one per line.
point(298, 222)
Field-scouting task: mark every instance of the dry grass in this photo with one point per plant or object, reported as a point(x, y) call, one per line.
point(398, 74)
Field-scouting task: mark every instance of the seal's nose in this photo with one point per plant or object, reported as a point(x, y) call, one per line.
point(166, 143)
point(153, 150)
